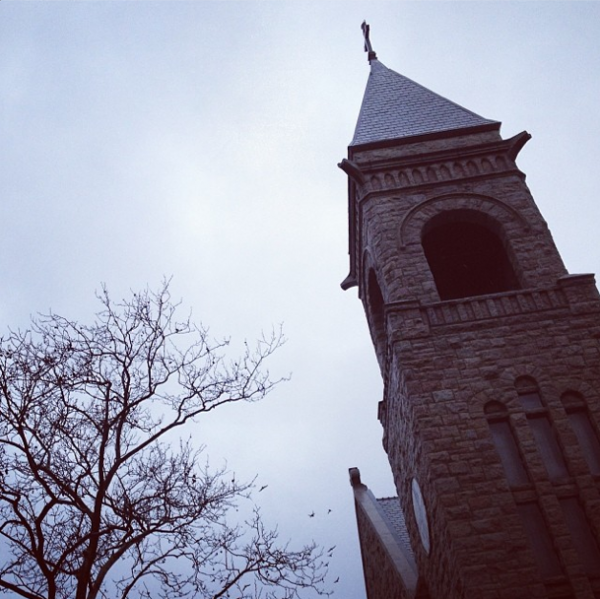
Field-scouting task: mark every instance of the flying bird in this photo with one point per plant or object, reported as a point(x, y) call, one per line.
point(311, 515)
point(262, 488)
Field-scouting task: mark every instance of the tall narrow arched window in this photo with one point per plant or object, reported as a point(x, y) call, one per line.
point(581, 534)
point(540, 539)
point(533, 519)
point(375, 311)
point(541, 427)
point(505, 443)
point(584, 429)
point(466, 255)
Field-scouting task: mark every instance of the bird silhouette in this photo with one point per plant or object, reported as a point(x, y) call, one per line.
point(311, 515)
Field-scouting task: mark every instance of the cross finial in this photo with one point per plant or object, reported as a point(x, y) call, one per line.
point(368, 48)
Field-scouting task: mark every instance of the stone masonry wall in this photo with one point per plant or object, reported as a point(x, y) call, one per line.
point(392, 228)
point(443, 361)
point(440, 378)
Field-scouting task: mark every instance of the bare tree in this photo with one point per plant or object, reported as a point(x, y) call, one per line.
point(98, 497)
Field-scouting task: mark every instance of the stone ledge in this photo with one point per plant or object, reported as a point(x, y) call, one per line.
point(573, 294)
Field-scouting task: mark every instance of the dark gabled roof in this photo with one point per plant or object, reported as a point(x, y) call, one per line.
point(390, 506)
point(395, 107)
point(383, 536)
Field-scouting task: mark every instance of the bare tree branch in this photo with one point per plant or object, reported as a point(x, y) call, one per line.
point(96, 501)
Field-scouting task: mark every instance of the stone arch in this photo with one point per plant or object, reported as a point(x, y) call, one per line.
point(472, 168)
point(495, 408)
point(374, 303)
point(583, 388)
point(526, 384)
point(572, 399)
point(486, 166)
point(403, 179)
point(458, 169)
point(518, 375)
point(389, 180)
point(523, 376)
point(414, 220)
point(576, 389)
point(372, 289)
point(466, 240)
point(417, 176)
point(367, 263)
point(431, 174)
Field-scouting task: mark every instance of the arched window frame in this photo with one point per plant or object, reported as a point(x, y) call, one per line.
point(532, 517)
point(506, 445)
point(375, 309)
point(542, 428)
point(584, 427)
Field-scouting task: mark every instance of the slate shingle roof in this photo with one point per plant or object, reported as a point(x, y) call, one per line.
point(394, 107)
point(390, 506)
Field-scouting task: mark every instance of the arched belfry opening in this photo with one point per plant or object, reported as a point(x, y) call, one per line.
point(466, 255)
point(375, 310)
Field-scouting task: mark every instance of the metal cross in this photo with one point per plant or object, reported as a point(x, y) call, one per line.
point(368, 48)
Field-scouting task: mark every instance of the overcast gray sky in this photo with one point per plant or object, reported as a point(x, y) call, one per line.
point(200, 140)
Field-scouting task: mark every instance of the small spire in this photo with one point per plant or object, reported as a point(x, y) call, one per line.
point(368, 48)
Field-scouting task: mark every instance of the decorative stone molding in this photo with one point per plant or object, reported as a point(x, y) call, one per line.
point(418, 215)
point(434, 173)
point(486, 307)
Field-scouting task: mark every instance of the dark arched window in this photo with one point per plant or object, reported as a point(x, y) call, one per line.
point(375, 311)
point(539, 421)
point(584, 429)
point(533, 519)
point(466, 255)
point(505, 443)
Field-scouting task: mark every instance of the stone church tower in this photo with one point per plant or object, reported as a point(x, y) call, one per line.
point(490, 357)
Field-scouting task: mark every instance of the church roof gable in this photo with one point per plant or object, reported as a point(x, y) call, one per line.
point(390, 506)
point(395, 107)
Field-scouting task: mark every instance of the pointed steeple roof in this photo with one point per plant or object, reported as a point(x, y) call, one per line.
point(395, 107)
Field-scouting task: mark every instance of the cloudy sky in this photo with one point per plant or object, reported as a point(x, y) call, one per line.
point(199, 140)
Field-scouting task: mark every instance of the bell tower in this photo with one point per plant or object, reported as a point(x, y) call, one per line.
point(488, 349)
